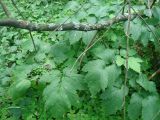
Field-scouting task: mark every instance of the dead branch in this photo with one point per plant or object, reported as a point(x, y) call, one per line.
point(63, 27)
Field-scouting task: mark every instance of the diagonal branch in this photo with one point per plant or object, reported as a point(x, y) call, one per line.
point(5, 9)
point(63, 27)
point(19, 12)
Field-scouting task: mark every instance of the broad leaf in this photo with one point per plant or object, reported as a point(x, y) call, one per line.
point(60, 52)
point(135, 106)
point(146, 84)
point(113, 99)
point(107, 55)
point(134, 64)
point(61, 94)
point(19, 88)
point(135, 29)
point(49, 77)
point(156, 12)
point(99, 75)
point(151, 108)
point(119, 60)
point(74, 36)
point(88, 36)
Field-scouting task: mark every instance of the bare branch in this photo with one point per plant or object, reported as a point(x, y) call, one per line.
point(63, 27)
point(154, 74)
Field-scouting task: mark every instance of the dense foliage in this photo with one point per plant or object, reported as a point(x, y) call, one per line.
point(52, 83)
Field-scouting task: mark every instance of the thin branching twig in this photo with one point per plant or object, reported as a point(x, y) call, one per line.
point(154, 34)
point(91, 45)
point(127, 51)
point(19, 12)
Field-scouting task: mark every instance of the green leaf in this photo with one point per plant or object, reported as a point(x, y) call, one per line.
point(99, 75)
point(81, 15)
point(156, 12)
point(96, 78)
point(146, 84)
point(74, 36)
point(135, 29)
point(60, 52)
point(113, 73)
point(107, 55)
point(135, 106)
point(145, 36)
point(19, 88)
point(123, 53)
point(132, 52)
point(101, 12)
point(119, 60)
point(94, 65)
point(151, 108)
point(72, 5)
point(88, 36)
point(113, 99)
point(95, 2)
point(21, 71)
point(27, 45)
point(40, 56)
point(61, 94)
point(92, 20)
point(49, 76)
point(134, 64)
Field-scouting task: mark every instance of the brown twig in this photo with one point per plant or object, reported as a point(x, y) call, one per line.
point(155, 36)
point(90, 46)
point(154, 74)
point(124, 4)
point(127, 52)
point(90, 43)
point(30, 33)
point(5, 9)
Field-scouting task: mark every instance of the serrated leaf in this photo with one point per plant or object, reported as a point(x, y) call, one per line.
point(135, 106)
point(48, 77)
point(135, 30)
point(146, 84)
point(94, 65)
point(151, 108)
point(113, 73)
point(97, 80)
point(60, 52)
point(113, 99)
point(99, 75)
point(61, 94)
point(134, 64)
point(107, 55)
point(20, 72)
